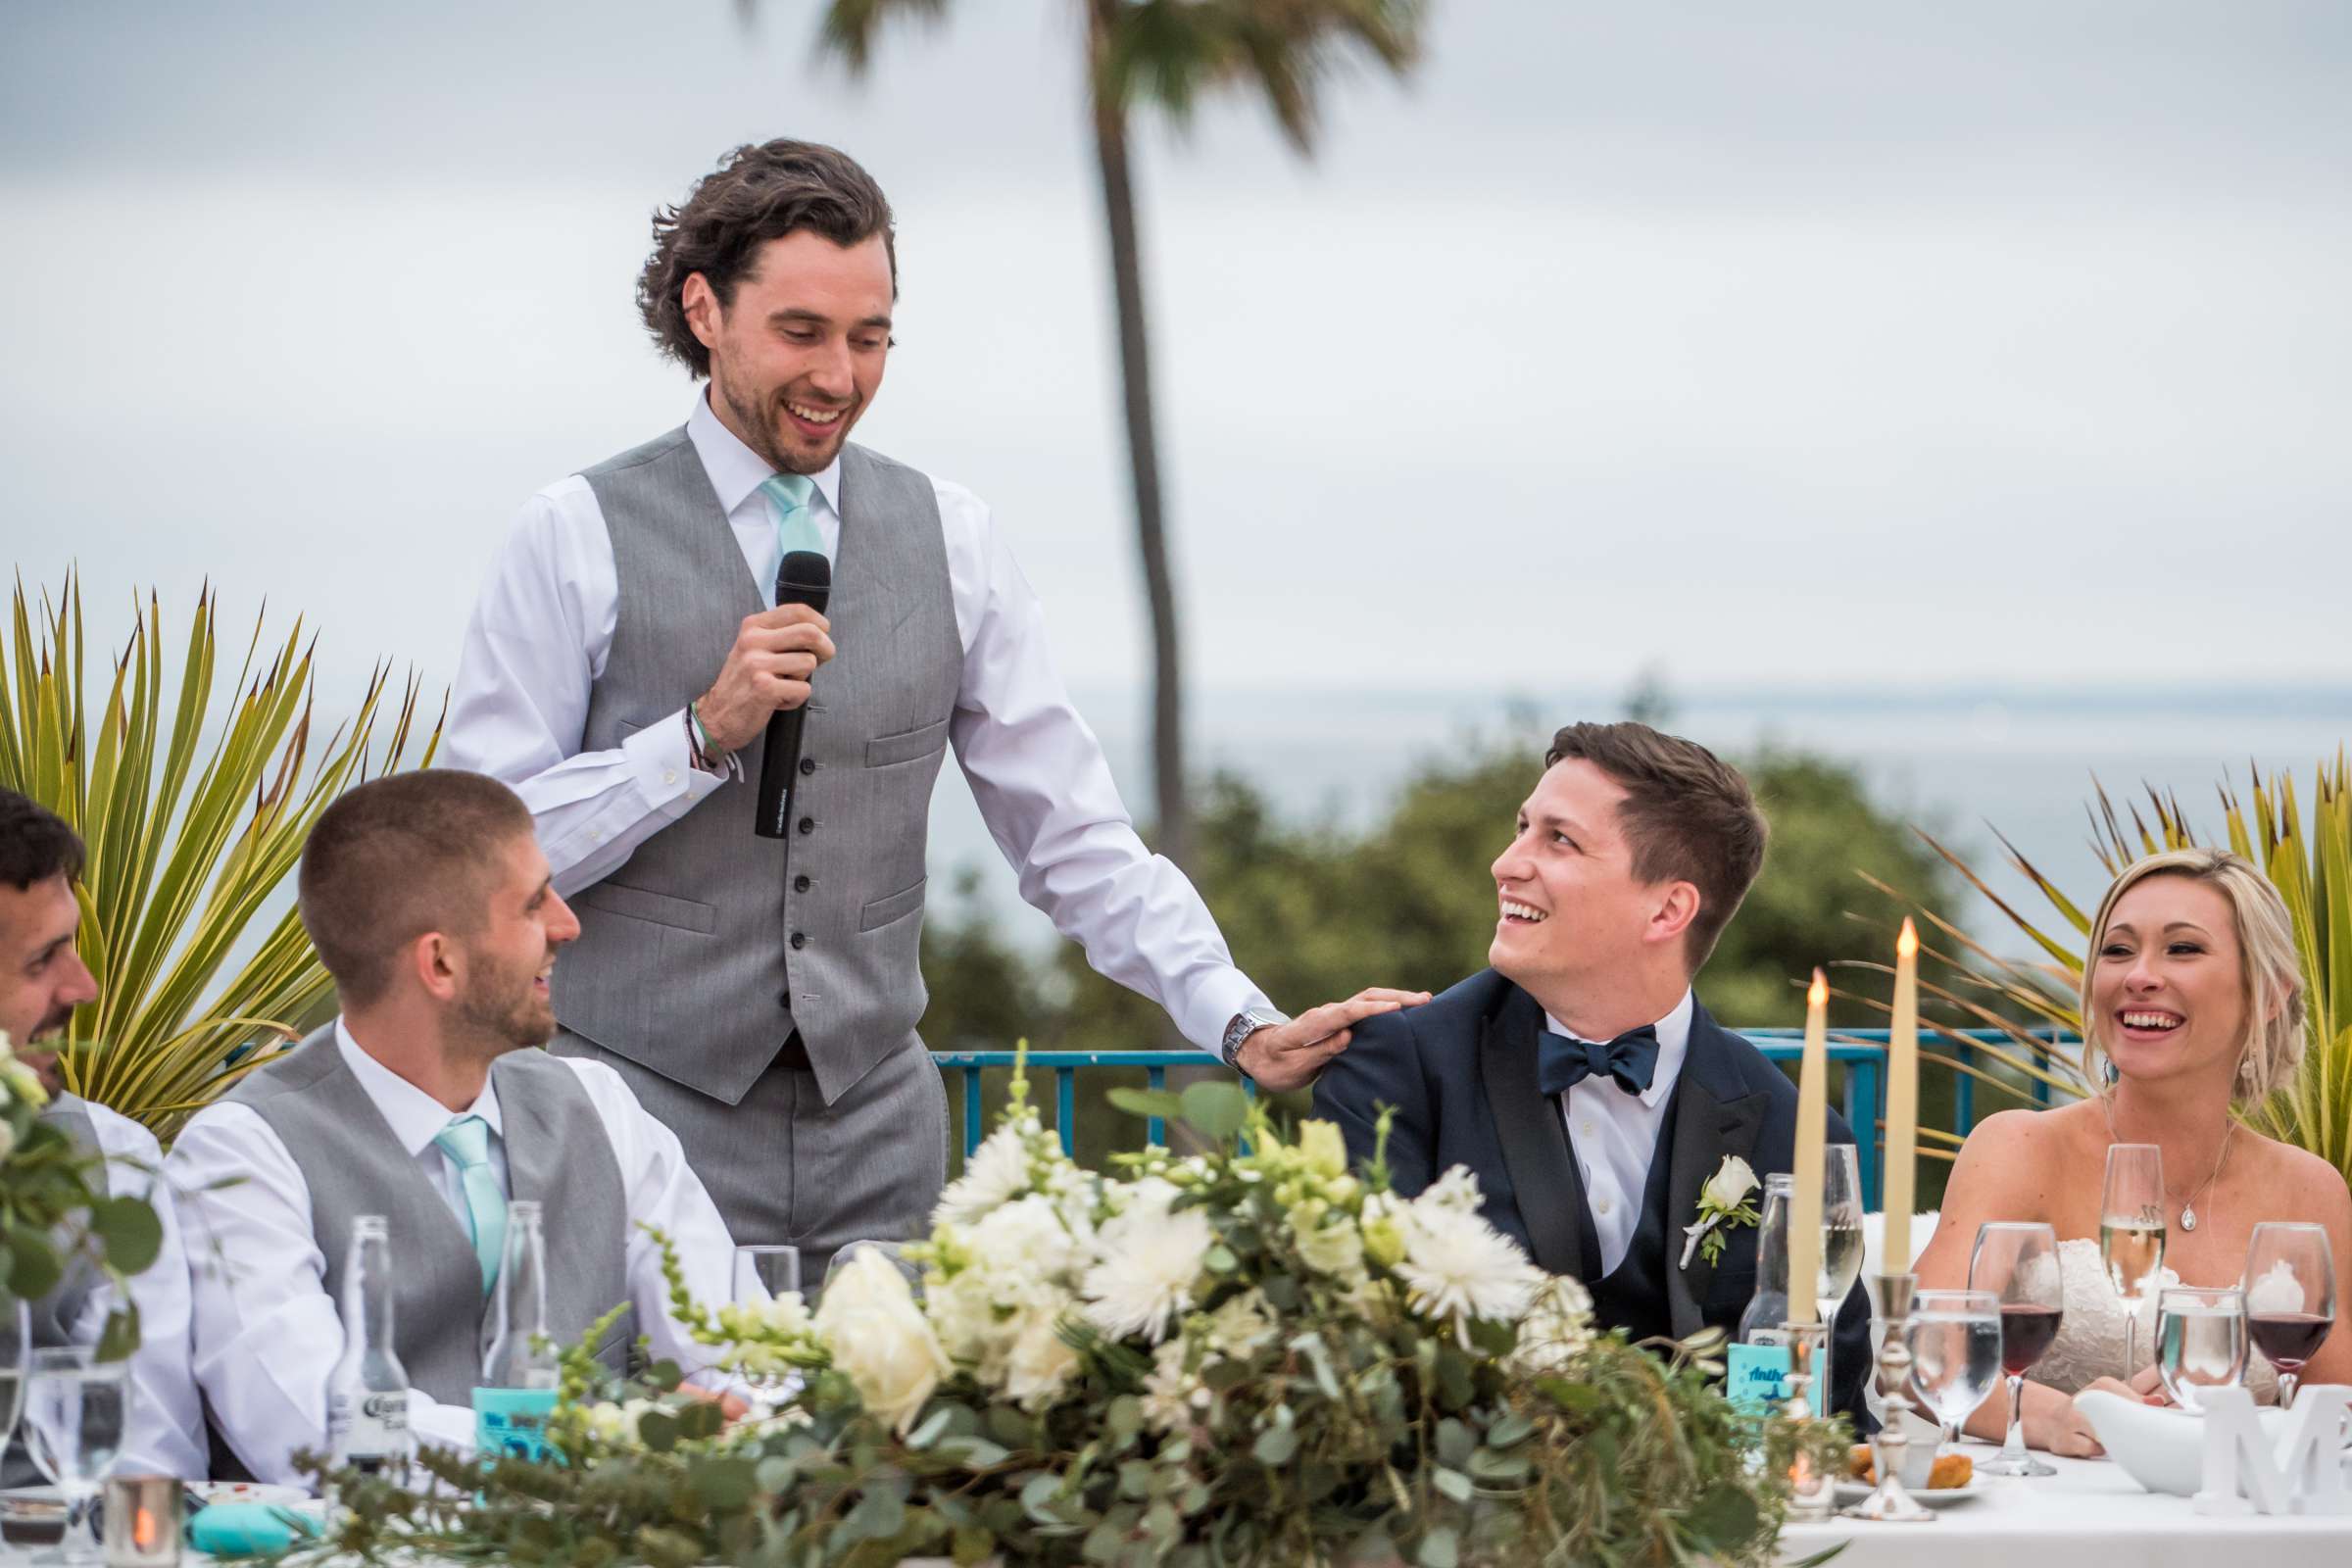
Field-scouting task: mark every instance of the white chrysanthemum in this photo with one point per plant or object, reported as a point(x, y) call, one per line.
point(1171, 1395)
point(1149, 1268)
point(1239, 1329)
point(1461, 1268)
point(996, 1170)
point(1025, 1242)
point(1558, 1326)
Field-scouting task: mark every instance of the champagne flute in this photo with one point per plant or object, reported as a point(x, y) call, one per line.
point(75, 1408)
point(1955, 1343)
point(2018, 1262)
point(1840, 1248)
point(2131, 1233)
point(2290, 1296)
point(2200, 1342)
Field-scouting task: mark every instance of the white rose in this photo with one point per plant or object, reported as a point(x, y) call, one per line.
point(1040, 1364)
point(880, 1339)
point(1732, 1181)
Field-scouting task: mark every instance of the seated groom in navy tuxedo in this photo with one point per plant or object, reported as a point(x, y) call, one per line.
point(1579, 1079)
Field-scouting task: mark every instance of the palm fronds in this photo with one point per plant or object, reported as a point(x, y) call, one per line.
point(192, 821)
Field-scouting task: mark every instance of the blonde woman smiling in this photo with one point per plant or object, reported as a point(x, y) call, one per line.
point(2194, 1007)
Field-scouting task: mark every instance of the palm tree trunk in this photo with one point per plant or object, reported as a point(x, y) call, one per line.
point(1143, 449)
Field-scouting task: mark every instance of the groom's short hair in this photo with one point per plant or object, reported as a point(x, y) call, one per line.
point(1688, 816)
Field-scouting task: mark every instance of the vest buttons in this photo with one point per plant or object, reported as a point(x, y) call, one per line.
point(808, 824)
point(808, 764)
point(799, 939)
point(799, 884)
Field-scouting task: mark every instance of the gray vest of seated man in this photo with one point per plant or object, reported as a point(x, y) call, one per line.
point(53, 1316)
point(702, 955)
point(557, 1153)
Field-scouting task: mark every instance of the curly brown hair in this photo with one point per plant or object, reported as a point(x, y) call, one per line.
point(757, 194)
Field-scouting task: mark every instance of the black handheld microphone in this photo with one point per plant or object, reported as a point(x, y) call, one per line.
point(804, 579)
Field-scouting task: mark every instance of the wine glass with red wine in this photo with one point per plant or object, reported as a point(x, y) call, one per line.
point(2018, 1262)
point(2290, 1296)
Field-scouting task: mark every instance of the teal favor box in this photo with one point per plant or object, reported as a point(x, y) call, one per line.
point(512, 1422)
point(249, 1529)
point(1755, 1377)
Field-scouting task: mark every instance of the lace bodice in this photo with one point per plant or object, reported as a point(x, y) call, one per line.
point(2090, 1339)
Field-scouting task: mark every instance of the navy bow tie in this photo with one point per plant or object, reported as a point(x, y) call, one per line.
point(1632, 1059)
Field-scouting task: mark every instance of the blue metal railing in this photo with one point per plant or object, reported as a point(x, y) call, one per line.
point(1861, 1052)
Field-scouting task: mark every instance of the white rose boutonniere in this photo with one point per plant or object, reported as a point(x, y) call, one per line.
point(1722, 1203)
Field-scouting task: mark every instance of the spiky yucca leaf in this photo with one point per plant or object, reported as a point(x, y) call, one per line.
point(192, 820)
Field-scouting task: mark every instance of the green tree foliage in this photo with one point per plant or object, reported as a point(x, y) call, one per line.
point(1315, 911)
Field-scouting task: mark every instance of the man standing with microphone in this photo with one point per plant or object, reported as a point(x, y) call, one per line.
point(632, 671)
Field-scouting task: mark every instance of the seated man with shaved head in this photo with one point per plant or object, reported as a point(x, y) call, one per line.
point(430, 905)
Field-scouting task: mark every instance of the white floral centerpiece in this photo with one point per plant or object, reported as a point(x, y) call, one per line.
point(1250, 1356)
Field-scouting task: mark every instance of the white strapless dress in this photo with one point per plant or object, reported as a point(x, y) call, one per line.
point(2090, 1338)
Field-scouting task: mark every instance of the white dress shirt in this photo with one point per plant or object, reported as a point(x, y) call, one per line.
point(166, 1432)
point(544, 624)
point(268, 1335)
point(1614, 1133)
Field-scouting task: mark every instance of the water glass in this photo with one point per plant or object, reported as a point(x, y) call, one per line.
point(1955, 1342)
point(2290, 1296)
point(75, 1410)
point(2018, 1262)
point(762, 1275)
point(2200, 1340)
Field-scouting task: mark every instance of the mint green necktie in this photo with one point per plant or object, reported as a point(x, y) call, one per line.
point(788, 495)
point(467, 1141)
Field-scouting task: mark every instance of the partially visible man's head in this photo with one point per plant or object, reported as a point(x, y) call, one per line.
point(1633, 844)
point(430, 887)
point(42, 979)
point(775, 278)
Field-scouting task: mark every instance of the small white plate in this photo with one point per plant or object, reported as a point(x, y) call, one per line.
point(1853, 1491)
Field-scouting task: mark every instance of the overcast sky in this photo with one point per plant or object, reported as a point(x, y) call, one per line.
point(1862, 343)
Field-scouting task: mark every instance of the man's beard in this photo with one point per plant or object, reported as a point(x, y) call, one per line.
point(759, 421)
point(52, 1023)
point(502, 1012)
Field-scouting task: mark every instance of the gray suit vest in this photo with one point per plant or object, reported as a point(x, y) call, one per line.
point(557, 1153)
point(700, 955)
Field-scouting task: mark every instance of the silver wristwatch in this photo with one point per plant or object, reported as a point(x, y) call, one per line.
point(1247, 1022)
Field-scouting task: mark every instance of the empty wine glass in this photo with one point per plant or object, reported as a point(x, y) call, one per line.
point(1955, 1343)
point(2131, 1233)
point(2017, 1260)
point(2290, 1296)
point(2200, 1342)
point(16, 1349)
point(75, 1408)
point(762, 1275)
point(1841, 1248)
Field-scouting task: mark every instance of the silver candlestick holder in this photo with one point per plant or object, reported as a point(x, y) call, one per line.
point(1888, 1501)
point(1811, 1488)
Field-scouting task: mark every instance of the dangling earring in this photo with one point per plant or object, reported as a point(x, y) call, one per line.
point(2245, 1070)
point(2109, 1072)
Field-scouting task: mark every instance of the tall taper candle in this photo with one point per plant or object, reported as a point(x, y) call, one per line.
point(1902, 1101)
point(1812, 1126)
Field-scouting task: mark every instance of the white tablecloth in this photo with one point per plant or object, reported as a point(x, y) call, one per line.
point(2089, 1515)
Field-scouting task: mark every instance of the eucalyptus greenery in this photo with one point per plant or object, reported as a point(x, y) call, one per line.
point(1246, 1357)
point(193, 817)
